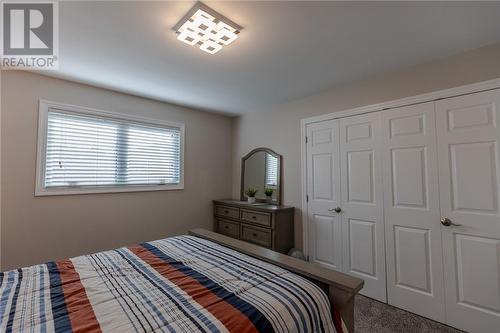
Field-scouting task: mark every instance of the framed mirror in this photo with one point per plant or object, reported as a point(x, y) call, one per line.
point(261, 170)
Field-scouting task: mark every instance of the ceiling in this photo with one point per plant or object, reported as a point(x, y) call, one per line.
point(286, 50)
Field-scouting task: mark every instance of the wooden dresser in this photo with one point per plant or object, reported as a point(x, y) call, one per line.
point(262, 224)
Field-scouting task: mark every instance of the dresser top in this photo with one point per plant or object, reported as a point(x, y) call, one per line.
point(257, 206)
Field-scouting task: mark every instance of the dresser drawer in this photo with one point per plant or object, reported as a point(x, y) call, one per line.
point(256, 217)
point(228, 228)
point(227, 212)
point(256, 235)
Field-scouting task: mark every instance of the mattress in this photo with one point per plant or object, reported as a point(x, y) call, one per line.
point(179, 284)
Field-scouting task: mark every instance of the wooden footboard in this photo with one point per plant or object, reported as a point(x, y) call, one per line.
point(340, 288)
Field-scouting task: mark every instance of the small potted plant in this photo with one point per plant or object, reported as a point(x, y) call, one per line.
point(269, 194)
point(250, 193)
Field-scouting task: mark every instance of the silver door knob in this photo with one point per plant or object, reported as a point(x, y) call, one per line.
point(447, 222)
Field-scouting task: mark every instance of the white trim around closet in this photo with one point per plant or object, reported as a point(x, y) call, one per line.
point(428, 97)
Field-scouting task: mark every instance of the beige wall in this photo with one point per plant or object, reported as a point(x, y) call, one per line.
point(38, 229)
point(279, 128)
point(256, 178)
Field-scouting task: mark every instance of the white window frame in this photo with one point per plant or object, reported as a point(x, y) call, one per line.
point(43, 112)
point(273, 186)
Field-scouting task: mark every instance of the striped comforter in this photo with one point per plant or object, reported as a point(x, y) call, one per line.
point(179, 284)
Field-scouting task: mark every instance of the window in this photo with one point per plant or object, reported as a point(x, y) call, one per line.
point(89, 151)
point(271, 170)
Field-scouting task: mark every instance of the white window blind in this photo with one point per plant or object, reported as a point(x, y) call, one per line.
point(271, 170)
point(92, 151)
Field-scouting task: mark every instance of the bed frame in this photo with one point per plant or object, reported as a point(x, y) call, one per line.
point(340, 288)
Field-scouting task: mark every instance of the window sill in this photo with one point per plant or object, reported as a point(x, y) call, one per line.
point(40, 192)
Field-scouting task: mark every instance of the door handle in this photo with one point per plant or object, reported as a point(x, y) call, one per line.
point(336, 210)
point(447, 222)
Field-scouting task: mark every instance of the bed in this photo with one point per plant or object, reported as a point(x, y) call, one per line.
point(202, 282)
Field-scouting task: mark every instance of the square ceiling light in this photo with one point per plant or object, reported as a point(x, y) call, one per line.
point(204, 27)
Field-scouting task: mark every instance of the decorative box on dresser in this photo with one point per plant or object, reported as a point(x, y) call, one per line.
point(263, 224)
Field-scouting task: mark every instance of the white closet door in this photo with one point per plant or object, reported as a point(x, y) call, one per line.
point(413, 233)
point(468, 130)
point(362, 203)
point(323, 190)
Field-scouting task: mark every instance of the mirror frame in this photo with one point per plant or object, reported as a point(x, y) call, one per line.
point(279, 195)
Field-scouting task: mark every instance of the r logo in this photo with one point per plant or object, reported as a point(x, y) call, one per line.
point(28, 29)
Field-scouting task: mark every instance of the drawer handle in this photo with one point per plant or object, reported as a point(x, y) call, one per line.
point(254, 234)
point(254, 217)
point(226, 211)
point(226, 227)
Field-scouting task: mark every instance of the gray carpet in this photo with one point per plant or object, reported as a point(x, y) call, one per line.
point(371, 316)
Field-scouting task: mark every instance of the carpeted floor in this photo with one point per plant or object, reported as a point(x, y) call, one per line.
point(371, 316)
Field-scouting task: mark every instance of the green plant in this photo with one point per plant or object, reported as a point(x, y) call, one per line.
point(251, 192)
point(268, 191)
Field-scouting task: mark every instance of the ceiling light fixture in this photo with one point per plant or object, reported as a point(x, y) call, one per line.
point(205, 27)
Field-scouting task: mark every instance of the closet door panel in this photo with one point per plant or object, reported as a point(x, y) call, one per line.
point(413, 235)
point(362, 203)
point(468, 145)
point(323, 190)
